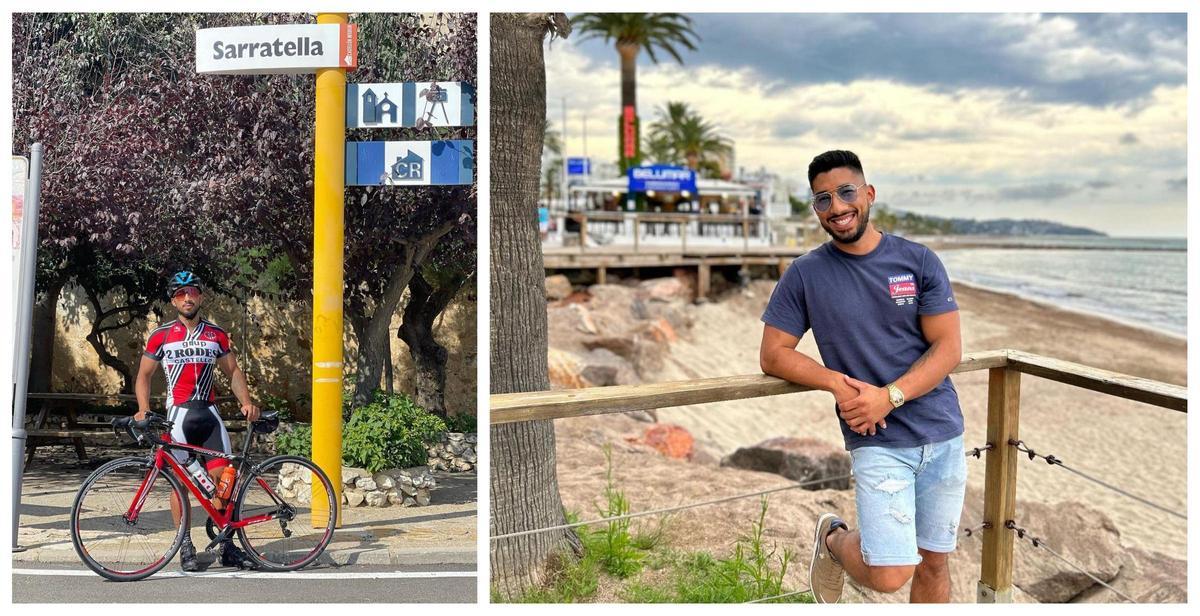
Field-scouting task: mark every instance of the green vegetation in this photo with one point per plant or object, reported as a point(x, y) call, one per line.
point(390, 432)
point(645, 570)
point(295, 442)
point(462, 422)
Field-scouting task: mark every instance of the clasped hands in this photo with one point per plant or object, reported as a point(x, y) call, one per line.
point(862, 405)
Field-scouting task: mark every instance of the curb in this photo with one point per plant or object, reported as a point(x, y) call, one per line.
point(465, 556)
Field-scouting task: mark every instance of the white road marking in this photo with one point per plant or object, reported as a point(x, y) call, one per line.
point(269, 575)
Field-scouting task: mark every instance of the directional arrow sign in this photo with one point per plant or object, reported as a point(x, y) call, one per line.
point(410, 163)
point(397, 105)
point(291, 48)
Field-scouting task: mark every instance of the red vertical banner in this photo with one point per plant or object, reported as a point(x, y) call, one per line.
point(629, 131)
point(348, 46)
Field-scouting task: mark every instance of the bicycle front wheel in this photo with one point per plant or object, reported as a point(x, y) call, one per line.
point(287, 530)
point(121, 523)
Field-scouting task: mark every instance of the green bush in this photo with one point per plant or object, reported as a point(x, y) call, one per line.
point(463, 422)
point(295, 442)
point(390, 432)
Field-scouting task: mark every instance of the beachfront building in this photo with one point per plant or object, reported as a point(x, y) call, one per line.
point(659, 205)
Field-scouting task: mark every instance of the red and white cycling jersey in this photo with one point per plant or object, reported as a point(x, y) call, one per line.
point(189, 359)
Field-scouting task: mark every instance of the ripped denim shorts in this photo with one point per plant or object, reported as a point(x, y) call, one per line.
point(908, 498)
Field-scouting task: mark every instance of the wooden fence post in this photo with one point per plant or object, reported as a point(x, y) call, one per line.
point(1000, 486)
point(703, 277)
point(583, 232)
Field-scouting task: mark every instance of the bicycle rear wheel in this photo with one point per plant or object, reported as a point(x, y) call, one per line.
point(291, 532)
point(112, 542)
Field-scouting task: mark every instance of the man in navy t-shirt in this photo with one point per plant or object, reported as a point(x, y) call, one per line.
point(886, 323)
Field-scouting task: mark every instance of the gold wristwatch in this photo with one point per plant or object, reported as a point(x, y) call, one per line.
point(895, 395)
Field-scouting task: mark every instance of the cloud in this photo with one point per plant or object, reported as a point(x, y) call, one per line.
point(1036, 192)
point(1089, 59)
point(965, 151)
point(1129, 139)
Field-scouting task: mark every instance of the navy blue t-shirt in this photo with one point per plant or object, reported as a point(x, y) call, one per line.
point(864, 311)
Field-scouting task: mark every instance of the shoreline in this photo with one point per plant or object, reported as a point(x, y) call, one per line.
point(1042, 302)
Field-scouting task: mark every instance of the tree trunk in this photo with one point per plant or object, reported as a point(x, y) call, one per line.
point(45, 327)
point(424, 305)
point(95, 337)
point(372, 330)
point(629, 53)
point(524, 487)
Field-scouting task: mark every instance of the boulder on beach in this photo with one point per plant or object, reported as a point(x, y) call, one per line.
point(557, 287)
point(799, 459)
point(565, 370)
point(670, 440)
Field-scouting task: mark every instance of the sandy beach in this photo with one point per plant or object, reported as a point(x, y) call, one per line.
point(1135, 446)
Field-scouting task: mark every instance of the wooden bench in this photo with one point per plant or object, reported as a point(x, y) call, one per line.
point(71, 429)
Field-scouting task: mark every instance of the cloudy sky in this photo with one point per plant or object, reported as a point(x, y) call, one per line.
point(1080, 119)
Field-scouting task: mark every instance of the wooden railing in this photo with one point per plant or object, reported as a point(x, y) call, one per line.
point(1003, 411)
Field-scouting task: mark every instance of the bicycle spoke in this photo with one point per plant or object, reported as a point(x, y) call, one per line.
point(290, 540)
point(105, 538)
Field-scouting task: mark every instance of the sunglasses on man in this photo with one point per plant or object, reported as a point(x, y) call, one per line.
point(848, 193)
point(186, 291)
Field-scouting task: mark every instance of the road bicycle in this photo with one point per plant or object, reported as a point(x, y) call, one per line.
point(122, 526)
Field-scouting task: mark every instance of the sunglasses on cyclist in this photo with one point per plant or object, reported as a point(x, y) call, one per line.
point(848, 193)
point(185, 291)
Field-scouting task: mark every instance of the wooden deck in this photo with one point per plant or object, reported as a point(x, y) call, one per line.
point(703, 258)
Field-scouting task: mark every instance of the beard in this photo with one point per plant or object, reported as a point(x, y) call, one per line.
point(853, 235)
point(188, 315)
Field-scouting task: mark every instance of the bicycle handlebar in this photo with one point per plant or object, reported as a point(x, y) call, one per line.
point(139, 430)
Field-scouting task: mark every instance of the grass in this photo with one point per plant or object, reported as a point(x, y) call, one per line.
point(643, 569)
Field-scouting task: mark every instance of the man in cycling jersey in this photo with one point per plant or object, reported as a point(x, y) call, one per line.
point(188, 349)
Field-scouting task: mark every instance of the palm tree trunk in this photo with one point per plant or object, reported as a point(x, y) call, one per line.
point(629, 139)
point(524, 486)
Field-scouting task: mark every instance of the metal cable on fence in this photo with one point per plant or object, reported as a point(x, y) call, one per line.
point(1039, 543)
point(783, 596)
point(977, 451)
point(1053, 461)
point(630, 516)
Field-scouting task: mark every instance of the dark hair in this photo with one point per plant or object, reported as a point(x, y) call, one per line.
point(832, 160)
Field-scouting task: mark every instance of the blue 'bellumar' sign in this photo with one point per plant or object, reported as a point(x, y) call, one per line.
point(579, 166)
point(662, 178)
point(410, 163)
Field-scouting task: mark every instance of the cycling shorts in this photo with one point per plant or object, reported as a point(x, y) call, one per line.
point(199, 423)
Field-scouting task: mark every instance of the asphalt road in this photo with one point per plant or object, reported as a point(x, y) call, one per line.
point(36, 583)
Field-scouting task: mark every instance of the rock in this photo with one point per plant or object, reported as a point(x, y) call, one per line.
point(455, 437)
point(622, 346)
point(602, 367)
point(384, 481)
point(586, 324)
point(669, 440)
point(354, 498)
point(350, 474)
point(366, 483)
point(394, 497)
point(422, 497)
point(375, 498)
point(1147, 577)
point(799, 459)
point(557, 287)
point(408, 488)
point(565, 370)
point(473, 438)
point(1079, 533)
point(409, 501)
point(460, 465)
point(660, 330)
point(287, 481)
point(665, 289)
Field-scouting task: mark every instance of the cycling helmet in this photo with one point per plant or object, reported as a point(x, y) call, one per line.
point(183, 279)
point(267, 422)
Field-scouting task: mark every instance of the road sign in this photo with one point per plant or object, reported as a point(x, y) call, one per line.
point(396, 105)
point(291, 48)
point(410, 163)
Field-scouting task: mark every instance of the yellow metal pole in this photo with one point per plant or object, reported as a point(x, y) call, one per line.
point(329, 180)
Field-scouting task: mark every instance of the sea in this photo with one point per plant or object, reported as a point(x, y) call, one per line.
point(1136, 281)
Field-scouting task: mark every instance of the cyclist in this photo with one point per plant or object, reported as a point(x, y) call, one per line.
point(188, 349)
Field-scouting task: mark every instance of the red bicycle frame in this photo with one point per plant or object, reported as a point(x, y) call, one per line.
point(164, 460)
